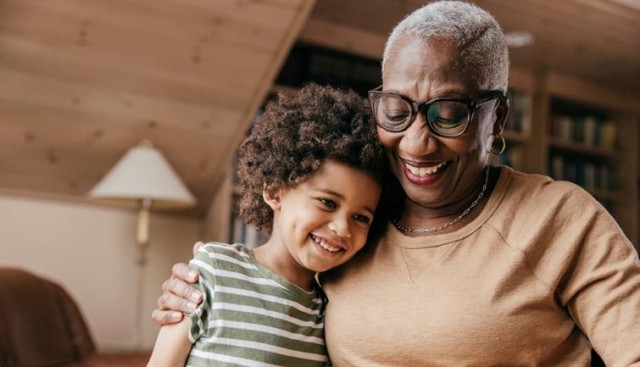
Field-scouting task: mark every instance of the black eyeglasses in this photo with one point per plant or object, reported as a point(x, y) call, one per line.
point(447, 117)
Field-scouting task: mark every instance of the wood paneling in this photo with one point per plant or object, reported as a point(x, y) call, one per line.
point(82, 81)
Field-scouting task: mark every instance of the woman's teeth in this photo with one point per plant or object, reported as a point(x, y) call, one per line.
point(326, 245)
point(423, 171)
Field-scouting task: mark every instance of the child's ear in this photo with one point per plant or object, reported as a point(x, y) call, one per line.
point(272, 198)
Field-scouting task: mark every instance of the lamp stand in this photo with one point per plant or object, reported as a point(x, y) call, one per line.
point(141, 262)
point(143, 174)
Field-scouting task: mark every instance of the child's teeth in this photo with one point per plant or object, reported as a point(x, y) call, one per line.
point(326, 246)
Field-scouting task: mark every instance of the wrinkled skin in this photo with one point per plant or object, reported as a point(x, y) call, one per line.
point(423, 70)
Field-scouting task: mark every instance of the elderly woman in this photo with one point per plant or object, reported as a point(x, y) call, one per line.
point(480, 265)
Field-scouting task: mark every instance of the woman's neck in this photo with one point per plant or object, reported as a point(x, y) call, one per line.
point(417, 219)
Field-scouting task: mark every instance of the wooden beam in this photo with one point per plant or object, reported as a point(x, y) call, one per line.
point(344, 38)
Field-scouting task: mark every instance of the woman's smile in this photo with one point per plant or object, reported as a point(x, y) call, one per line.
point(423, 173)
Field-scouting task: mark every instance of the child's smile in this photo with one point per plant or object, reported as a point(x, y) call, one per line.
point(328, 244)
point(322, 222)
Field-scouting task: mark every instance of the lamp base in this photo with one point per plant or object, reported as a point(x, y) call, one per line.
point(141, 262)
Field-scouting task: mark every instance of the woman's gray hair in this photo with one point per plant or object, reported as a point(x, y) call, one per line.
point(473, 31)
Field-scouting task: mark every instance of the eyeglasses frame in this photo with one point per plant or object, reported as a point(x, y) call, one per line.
point(471, 103)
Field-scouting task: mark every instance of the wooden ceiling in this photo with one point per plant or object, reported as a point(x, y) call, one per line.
point(597, 40)
point(81, 81)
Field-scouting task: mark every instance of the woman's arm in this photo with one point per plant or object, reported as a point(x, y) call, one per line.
point(178, 294)
point(172, 345)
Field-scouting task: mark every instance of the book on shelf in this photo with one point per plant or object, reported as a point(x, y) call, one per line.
point(519, 112)
point(608, 138)
point(586, 173)
point(589, 131)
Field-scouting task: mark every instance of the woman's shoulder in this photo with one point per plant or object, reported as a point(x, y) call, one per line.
point(556, 225)
point(537, 204)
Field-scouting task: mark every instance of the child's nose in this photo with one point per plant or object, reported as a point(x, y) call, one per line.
point(340, 227)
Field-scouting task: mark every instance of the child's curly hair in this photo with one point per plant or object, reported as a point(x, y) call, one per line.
point(295, 135)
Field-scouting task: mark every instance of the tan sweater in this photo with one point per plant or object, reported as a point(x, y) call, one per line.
point(543, 270)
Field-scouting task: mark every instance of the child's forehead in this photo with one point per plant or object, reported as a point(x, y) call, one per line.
point(334, 171)
point(326, 167)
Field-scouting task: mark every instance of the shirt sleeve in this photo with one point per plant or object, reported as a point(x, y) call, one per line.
point(601, 286)
point(200, 317)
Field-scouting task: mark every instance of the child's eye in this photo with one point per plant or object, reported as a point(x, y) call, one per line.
point(328, 203)
point(362, 218)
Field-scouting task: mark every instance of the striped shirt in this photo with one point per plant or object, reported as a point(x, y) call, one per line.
point(252, 317)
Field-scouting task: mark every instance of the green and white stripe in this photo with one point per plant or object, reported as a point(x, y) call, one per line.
point(252, 317)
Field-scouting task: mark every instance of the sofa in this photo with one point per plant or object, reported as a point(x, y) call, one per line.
point(42, 326)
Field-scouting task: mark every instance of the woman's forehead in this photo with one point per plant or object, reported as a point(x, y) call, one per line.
point(427, 79)
point(431, 64)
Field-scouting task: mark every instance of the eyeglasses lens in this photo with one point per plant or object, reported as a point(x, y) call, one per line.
point(447, 118)
point(393, 113)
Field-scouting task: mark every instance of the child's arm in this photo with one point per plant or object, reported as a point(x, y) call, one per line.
point(172, 346)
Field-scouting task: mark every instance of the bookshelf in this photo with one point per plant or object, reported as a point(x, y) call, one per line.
point(591, 140)
point(310, 63)
point(583, 149)
point(571, 129)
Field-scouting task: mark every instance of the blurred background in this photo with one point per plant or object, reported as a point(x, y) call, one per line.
point(83, 81)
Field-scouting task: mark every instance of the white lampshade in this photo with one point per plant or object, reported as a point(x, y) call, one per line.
point(143, 173)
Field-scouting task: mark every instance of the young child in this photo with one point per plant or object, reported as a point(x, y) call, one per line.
point(310, 175)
